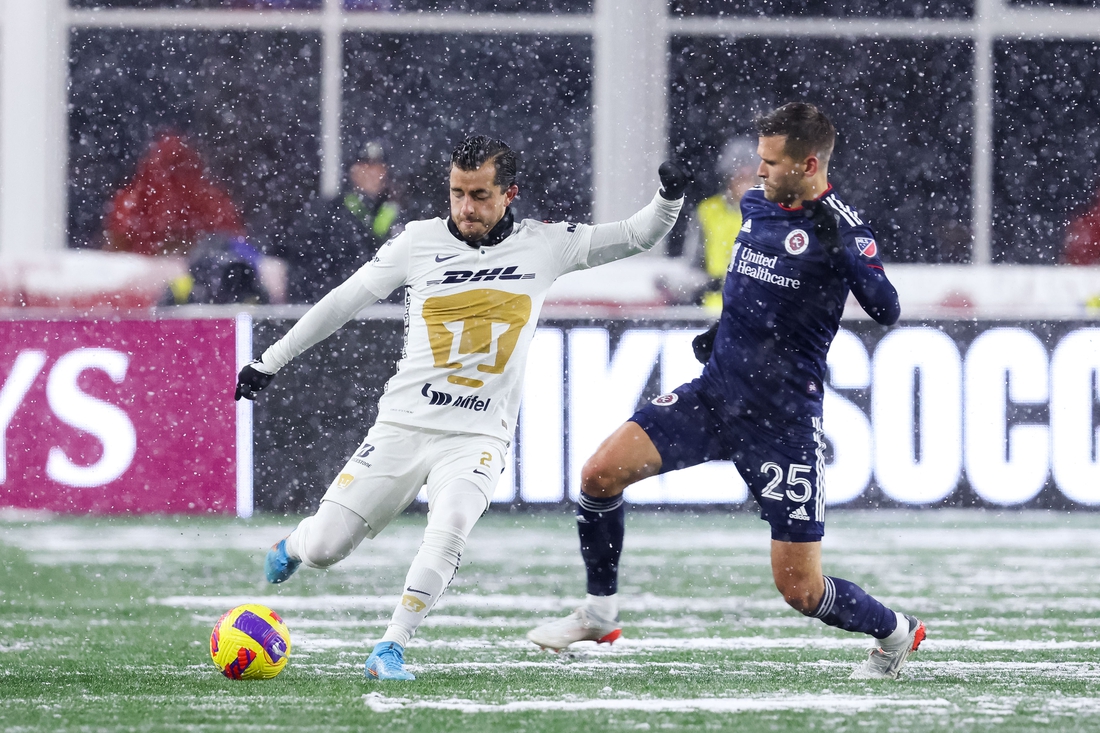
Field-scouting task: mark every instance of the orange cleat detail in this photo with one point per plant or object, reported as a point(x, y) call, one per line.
point(918, 637)
point(612, 637)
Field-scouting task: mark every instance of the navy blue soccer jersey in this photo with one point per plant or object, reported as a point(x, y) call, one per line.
point(781, 308)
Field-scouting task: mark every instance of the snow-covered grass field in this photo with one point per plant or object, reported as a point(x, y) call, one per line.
point(104, 625)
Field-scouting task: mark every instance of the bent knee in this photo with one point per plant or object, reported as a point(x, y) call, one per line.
point(802, 597)
point(600, 480)
point(322, 552)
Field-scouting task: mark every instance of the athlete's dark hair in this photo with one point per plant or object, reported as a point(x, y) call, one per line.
point(808, 130)
point(473, 152)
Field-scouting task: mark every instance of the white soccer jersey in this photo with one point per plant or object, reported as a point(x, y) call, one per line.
point(471, 312)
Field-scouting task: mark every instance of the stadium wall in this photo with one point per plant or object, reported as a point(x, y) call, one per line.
point(116, 416)
point(931, 413)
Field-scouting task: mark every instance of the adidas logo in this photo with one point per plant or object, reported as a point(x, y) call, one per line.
point(800, 513)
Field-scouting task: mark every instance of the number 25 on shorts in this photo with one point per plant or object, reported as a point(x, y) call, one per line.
point(800, 489)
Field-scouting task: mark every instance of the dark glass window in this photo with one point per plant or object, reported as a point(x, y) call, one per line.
point(249, 101)
point(1056, 3)
point(825, 8)
point(1047, 137)
point(422, 94)
point(902, 111)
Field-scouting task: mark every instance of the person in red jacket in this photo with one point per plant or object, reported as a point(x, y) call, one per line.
point(169, 204)
point(1082, 243)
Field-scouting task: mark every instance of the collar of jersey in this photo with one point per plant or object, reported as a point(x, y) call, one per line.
point(496, 235)
point(799, 207)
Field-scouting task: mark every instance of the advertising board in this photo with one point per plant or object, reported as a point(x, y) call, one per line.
point(114, 416)
point(118, 416)
point(922, 414)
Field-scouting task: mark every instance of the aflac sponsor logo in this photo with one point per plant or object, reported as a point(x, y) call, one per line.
point(470, 402)
point(796, 242)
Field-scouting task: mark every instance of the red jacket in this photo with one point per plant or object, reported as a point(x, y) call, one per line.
point(169, 203)
point(1082, 246)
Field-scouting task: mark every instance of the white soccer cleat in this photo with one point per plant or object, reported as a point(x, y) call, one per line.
point(581, 625)
point(884, 663)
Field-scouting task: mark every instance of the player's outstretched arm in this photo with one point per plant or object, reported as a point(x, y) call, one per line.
point(866, 279)
point(251, 379)
point(645, 229)
point(373, 281)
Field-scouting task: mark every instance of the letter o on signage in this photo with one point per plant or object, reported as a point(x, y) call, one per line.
point(910, 466)
point(1005, 466)
point(1075, 439)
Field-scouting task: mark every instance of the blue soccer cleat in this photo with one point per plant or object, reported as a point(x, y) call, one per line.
point(387, 662)
point(278, 566)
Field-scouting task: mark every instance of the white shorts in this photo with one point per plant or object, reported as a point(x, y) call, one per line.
point(394, 462)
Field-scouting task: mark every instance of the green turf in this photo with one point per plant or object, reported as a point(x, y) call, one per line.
point(104, 625)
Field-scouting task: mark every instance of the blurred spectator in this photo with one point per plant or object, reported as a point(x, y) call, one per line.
point(338, 236)
point(708, 244)
point(169, 204)
point(1082, 243)
point(221, 269)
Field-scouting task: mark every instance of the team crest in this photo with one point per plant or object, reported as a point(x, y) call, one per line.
point(867, 246)
point(666, 399)
point(796, 242)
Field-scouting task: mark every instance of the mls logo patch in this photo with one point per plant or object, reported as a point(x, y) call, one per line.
point(666, 399)
point(796, 242)
point(867, 246)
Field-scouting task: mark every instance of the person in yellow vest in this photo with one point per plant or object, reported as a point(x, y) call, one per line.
point(708, 243)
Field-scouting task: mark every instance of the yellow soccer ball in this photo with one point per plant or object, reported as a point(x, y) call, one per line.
point(250, 642)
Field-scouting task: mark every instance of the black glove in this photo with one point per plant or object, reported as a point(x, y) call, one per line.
point(825, 227)
point(674, 179)
point(250, 381)
point(703, 344)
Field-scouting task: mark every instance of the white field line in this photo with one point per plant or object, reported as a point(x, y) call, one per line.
point(632, 646)
point(380, 703)
point(918, 669)
point(533, 604)
point(1029, 533)
point(641, 604)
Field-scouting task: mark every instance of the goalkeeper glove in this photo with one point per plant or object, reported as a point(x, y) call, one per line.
point(250, 381)
point(825, 227)
point(674, 179)
point(703, 344)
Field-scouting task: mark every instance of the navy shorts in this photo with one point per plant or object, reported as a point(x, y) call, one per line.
point(782, 463)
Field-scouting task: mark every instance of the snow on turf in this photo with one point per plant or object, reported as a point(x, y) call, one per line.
point(380, 703)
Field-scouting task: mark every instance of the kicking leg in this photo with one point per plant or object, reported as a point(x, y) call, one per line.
point(450, 518)
point(626, 457)
point(796, 568)
point(318, 541)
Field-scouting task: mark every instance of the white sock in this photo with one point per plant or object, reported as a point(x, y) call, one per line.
point(450, 520)
point(606, 607)
point(896, 638)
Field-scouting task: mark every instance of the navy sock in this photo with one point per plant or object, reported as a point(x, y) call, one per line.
point(849, 607)
point(601, 524)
